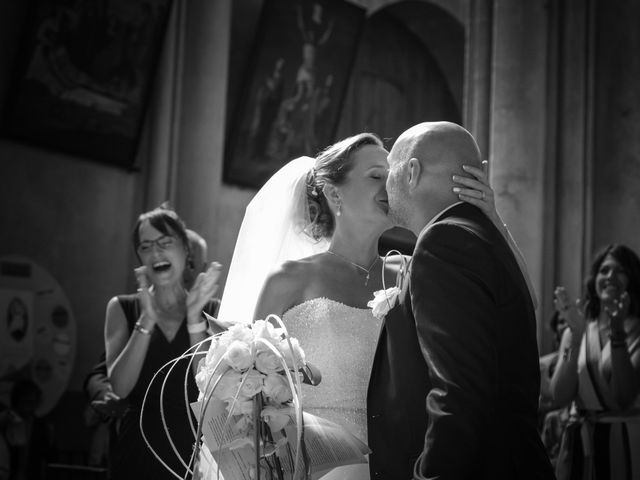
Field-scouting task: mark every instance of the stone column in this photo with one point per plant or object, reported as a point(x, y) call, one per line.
point(203, 112)
point(574, 139)
point(518, 126)
point(477, 84)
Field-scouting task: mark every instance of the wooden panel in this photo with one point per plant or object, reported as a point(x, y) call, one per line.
point(395, 83)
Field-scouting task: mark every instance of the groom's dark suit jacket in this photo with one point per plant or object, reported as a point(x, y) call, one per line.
point(455, 380)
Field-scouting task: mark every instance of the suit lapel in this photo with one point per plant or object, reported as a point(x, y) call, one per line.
point(395, 314)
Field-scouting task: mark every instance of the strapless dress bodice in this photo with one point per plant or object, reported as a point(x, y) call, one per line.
point(340, 340)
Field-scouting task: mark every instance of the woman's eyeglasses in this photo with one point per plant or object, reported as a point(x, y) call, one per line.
point(163, 243)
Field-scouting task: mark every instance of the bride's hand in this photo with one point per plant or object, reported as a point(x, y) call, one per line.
point(203, 289)
point(477, 191)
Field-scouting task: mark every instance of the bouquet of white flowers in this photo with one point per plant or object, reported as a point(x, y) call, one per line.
point(249, 385)
point(250, 421)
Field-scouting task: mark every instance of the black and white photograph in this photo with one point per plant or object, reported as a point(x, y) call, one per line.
point(319, 240)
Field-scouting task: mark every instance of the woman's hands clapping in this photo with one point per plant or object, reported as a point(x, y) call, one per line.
point(617, 311)
point(204, 287)
point(570, 312)
point(149, 315)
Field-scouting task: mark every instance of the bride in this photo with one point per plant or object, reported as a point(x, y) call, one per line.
point(308, 252)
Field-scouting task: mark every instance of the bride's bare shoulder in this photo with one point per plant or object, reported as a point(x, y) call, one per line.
point(292, 276)
point(286, 285)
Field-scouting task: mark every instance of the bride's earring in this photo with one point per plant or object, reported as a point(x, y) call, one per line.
point(338, 213)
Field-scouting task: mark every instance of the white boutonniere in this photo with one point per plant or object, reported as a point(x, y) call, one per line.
point(384, 300)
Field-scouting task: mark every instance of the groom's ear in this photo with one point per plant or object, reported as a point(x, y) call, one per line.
point(415, 171)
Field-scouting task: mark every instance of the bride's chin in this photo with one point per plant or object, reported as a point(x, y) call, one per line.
point(379, 222)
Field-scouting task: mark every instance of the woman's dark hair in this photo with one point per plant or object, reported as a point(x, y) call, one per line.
point(332, 166)
point(629, 261)
point(166, 221)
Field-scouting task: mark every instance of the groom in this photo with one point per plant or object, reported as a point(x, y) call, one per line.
point(454, 387)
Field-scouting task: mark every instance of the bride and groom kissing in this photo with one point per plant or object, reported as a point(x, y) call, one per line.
point(446, 385)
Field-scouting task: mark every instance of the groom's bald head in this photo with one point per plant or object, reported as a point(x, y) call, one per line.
point(422, 161)
point(443, 145)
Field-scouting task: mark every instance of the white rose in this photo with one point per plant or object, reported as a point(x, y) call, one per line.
point(276, 387)
point(268, 362)
point(238, 356)
point(228, 386)
point(216, 351)
point(277, 417)
point(295, 352)
point(202, 377)
point(241, 332)
point(383, 301)
point(253, 383)
point(266, 331)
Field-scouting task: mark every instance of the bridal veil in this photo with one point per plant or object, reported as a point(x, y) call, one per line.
point(272, 232)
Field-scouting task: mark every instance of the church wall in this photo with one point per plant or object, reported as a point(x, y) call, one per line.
point(73, 216)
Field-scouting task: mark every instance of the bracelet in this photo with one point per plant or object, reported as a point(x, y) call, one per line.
point(199, 327)
point(139, 328)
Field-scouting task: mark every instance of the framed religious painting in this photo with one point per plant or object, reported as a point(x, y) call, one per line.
point(296, 80)
point(84, 76)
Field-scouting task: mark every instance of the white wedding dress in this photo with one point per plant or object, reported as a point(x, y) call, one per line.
point(340, 340)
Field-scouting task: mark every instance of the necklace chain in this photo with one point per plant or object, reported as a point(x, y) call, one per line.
point(364, 269)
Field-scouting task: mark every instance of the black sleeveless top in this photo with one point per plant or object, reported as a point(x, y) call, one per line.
point(131, 457)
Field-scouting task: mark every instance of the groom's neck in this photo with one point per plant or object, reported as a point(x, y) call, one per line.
point(425, 212)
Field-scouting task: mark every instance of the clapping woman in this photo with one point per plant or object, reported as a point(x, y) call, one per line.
point(599, 371)
point(143, 332)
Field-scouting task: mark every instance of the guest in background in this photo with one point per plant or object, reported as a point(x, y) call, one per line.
point(558, 326)
point(102, 413)
point(197, 262)
point(105, 407)
point(24, 437)
point(552, 417)
point(599, 371)
point(146, 330)
point(548, 364)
